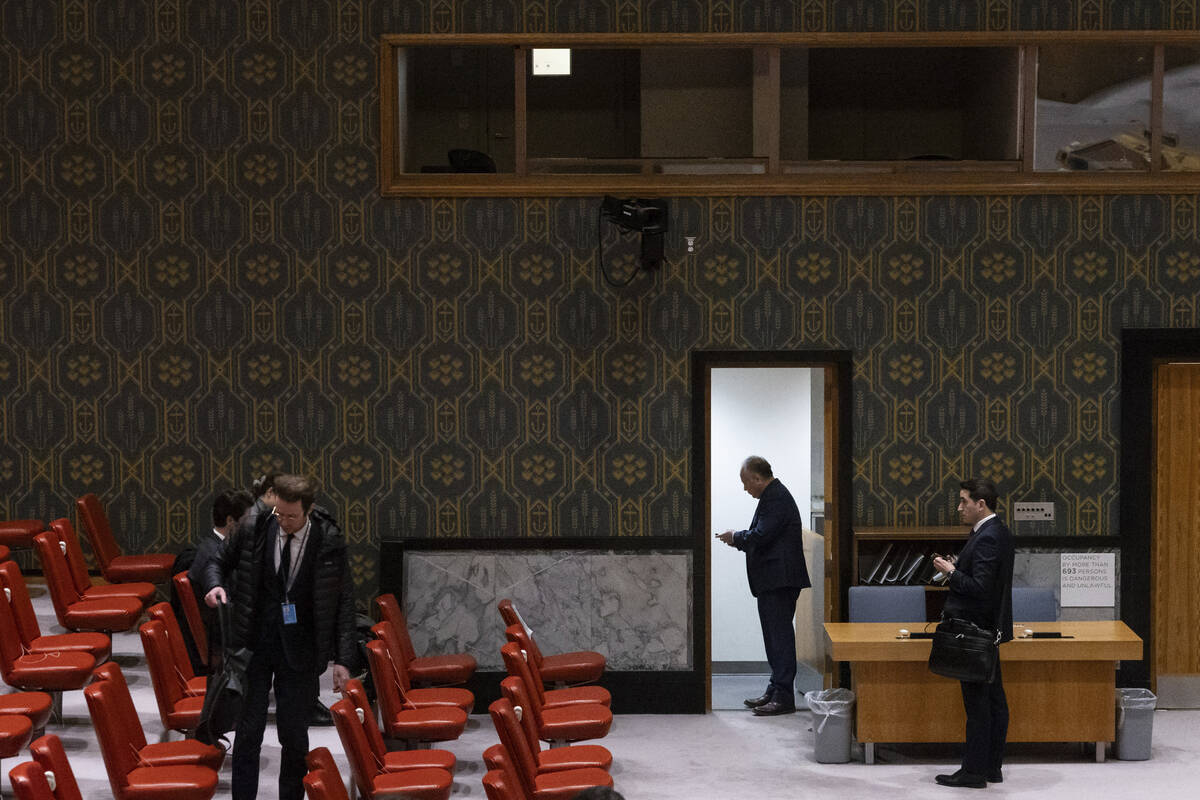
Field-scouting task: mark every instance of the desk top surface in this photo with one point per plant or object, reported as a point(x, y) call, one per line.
point(1089, 641)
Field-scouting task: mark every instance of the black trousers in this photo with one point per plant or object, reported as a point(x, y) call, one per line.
point(295, 694)
point(987, 725)
point(776, 608)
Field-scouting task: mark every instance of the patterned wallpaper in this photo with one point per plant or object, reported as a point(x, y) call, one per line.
point(200, 282)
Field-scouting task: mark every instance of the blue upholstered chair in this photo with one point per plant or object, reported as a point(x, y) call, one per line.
point(887, 603)
point(1034, 604)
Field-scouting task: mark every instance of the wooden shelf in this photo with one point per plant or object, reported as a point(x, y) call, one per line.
point(906, 542)
point(896, 533)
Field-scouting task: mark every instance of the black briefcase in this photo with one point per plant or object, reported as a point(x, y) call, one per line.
point(226, 690)
point(964, 651)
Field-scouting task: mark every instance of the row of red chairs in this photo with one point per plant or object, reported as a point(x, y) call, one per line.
point(418, 703)
point(115, 566)
point(412, 716)
point(529, 713)
point(137, 770)
point(180, 770)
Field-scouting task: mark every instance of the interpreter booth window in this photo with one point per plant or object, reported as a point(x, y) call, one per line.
point(1093, 107)
point(455, 109)
point(913, 104)
point(584, 111)
point(658, 110)
point(1181, 109)
point(698, 114)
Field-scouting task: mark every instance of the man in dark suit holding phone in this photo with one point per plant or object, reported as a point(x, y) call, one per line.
point(774, 548)
point(980, 586)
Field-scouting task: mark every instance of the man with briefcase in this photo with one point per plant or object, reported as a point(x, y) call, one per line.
point(980, 586)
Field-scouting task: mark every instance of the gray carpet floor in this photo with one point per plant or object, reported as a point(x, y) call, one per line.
point(724, 754)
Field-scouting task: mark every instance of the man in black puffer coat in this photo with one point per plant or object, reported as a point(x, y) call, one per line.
point(289, 580)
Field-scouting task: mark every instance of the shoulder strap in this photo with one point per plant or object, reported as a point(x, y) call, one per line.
point(224, 623)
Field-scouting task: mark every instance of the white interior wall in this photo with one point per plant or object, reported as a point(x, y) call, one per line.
point(754, 411)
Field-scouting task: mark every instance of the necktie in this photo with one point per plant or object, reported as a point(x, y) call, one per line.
point(285, 561)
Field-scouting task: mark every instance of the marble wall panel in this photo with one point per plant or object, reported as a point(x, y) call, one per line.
point(634, 607)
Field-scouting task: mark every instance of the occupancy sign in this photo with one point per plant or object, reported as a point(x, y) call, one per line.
point(1089, 579)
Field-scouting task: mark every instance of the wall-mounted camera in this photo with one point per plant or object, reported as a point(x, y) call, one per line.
point(637, 215)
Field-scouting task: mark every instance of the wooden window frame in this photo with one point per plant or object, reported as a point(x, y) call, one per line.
point(841, 178)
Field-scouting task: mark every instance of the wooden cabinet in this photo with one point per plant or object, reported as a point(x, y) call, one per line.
point(898, 556)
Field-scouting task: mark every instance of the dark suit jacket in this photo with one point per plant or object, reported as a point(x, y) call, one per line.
point(774, 543)
point(982, 579)
point(209, 549)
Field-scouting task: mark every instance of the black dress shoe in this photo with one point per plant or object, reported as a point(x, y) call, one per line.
point(774, 708)
point(963, 779)
point(755, 702)
point(996, 776)
point(319, 714)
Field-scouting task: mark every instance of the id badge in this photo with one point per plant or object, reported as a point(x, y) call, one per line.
point(289, 613)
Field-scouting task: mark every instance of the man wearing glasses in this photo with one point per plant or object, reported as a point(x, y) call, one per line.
point(289, 580)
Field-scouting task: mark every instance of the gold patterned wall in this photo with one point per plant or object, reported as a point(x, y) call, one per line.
point(200, 282)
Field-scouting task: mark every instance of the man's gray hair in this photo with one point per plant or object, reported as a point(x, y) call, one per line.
point(759, 466)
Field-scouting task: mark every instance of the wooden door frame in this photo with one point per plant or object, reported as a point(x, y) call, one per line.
point(1141, 350)
point(839, 472)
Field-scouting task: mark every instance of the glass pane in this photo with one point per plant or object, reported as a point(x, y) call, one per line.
point(1093, 107)
point(678, 110)
point(1181, 109)
point(697, 103)
point(587, 120)
point(903, 103)
point(455, 109)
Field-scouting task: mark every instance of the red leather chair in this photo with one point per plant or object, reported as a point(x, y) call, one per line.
point(192, 685)
point(19, 533)
point(562, 724)
point(320, 760)
point(419, 784)
point(98, 645)
point(29, 782)
point(191, 614)
point(47, 671)
point(397, 760)
point(128, 777)
point(115, 567)
point(154, 754)
point(443, 670)
point(323, 785)
point(403, 721)
point(177, 710)
point(74, 613)
point(561, 669)
point(5, 553)
point(141, 590)
point(552, 698)
point(576, 756)
point(34, 706)
point(418, 698)
point(30, 779)
point(15, 733)
point(539, 785)
point(498, 785)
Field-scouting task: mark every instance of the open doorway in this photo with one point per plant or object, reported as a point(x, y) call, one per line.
point(787, 408)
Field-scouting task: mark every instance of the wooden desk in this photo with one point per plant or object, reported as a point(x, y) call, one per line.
point(1059, 690)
